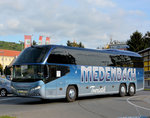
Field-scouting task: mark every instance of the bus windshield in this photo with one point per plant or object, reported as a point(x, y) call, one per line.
point(32, 54)
point(28, 73)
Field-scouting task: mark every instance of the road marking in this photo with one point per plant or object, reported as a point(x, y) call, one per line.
point(7, 99)
point(128, 100)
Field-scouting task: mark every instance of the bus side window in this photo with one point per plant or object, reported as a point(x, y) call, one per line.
point(53, 69)
point(46, 71)
point(59, 56)
point(52, 73)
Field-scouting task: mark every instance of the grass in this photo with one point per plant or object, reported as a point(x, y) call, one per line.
point(146, 89)
point(7, 117)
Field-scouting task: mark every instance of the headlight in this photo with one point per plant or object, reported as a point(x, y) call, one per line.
point(36, 88)
point(12, 88)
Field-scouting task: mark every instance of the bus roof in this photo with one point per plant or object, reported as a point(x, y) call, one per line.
point(110, 51)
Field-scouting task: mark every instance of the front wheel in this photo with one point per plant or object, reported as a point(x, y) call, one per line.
point(3, 92)
point(122, 90)
point(71, 94)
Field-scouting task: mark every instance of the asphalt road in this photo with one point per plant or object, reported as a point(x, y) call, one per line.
point(110, 106)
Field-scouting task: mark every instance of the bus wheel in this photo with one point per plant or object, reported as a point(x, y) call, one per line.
point(3, 92)
point(131, 89)
point(71, 94)
point(122, 90)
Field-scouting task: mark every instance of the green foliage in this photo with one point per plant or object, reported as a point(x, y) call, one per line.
point(6, 117)
point(34, 42)
point(74, 44)
point(138, 42)
point(10, 46)
point(7, 71)
point(146, 39)
point(146, 89)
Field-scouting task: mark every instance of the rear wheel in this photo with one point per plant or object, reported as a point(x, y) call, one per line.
point(3, 92)
point(122, 90)
point(131, 90)
point(71, 94)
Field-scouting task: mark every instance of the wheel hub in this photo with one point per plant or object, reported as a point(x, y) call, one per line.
point(123, 90)
point(71, 93)
point(3, 93)
point(132, 89)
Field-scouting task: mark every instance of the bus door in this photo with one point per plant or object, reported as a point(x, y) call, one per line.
point(51, 82)
point(62, 76)
point(56, 82)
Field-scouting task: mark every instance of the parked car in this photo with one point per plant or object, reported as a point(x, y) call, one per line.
point(5, 87)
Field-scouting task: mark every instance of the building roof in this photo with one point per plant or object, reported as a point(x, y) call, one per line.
point(10, 53)
point(145, 50)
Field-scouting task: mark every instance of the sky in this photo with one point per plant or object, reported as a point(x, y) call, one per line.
point(92, 22)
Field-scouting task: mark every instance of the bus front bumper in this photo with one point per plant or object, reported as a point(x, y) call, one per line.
point(26, 92)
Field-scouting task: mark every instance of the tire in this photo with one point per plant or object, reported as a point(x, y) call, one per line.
point(131, 90)
point(122, 90)
point(71, 94)
point(3, 92)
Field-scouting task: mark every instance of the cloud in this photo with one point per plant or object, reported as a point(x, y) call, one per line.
point(137, 13)
point(13, 24)
point(1, 26)
point(102, 3)
point(15, 5)
point(92, 22)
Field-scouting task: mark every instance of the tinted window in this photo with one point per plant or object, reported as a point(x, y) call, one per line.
point(32, 55)
point(137, 62)
point(78, 57)
point(121, 60)
point(127, 61)
point(58, 55)
point(92, 58)
point(99, 59)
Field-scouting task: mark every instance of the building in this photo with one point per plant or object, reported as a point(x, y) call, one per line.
point(116, 45)
point(146, 57)
point(7, 56)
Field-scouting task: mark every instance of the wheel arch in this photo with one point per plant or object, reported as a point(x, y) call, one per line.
point(4, 89)
point(132, 83)
point(122, 89)
point(124, 84)
point(76, 86)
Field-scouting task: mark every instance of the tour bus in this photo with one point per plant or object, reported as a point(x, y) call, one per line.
point(54, 71)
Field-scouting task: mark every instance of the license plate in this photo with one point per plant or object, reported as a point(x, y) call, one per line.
point(22, 92)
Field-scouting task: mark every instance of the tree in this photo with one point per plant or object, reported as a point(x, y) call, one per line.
point(68, 43)
point(81, 45)
point(136, 42)
point(74, 44)
point(10, 45)
point(7, 71)
point(34, 42)
point(146, 39)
